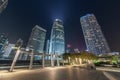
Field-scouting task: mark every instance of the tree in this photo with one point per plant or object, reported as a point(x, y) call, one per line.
point(84, 56)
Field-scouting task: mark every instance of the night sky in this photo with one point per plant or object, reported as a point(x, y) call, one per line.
point(20, 16)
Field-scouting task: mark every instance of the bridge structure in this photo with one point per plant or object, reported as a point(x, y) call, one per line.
point(31, 53)
point(3, 5)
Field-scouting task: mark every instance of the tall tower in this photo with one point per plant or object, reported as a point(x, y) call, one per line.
point(37, 39)
point(3, 5)
point(94, 38)
point(57, 40)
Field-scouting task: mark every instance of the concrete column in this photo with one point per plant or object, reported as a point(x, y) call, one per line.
point(31, 59)
point(80, 60)
point(43, 60)
point(15, 59)
point(75, 60)
point(68, 59)
point(62, 60)
point(51, 58)
point(57, 60)
point(20, 56)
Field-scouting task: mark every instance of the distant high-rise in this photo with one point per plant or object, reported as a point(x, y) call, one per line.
point(76, 50)
point(94, 38)
point(8, 51)
point(3, 5)
point(47, 46)
point(68, 49)
point(47, 49)
point(14, 48)
point(57, 40)
point(37, 39)
point(3, 44)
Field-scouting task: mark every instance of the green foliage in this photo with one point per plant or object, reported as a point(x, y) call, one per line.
point(114, 59)
point(82, 55)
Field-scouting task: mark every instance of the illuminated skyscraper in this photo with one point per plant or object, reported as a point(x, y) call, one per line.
point(14, 48)
point(3, 44)
point(94, 38)
point(8, 51)
point(47, 49)
point(47, 46)
point(3, 5)
point(57, 40)
point(37, 39)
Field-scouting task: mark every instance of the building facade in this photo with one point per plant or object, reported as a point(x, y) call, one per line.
point(37, 39)
point(13, 48)
point(47, 49)
point(57, 40)
point(94, 38)
point(3, 44)
point(8, 51)
point(3, 5)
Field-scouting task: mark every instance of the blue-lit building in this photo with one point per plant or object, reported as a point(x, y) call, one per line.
point(47, 49)
point(47, 46)
point(37, 40)
point(57, 39)
point(3, 44)
point(19, 43)
point(3, 5)
point(94, 38)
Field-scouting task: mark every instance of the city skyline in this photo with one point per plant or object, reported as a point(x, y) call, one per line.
point(20, 20)
point(59, 39)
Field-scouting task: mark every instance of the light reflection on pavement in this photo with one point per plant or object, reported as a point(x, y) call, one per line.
point(55, 73)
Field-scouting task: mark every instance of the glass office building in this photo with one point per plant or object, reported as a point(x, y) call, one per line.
point(37, 39)
point(94, 38)
point(57, 40)
point(3, 44)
